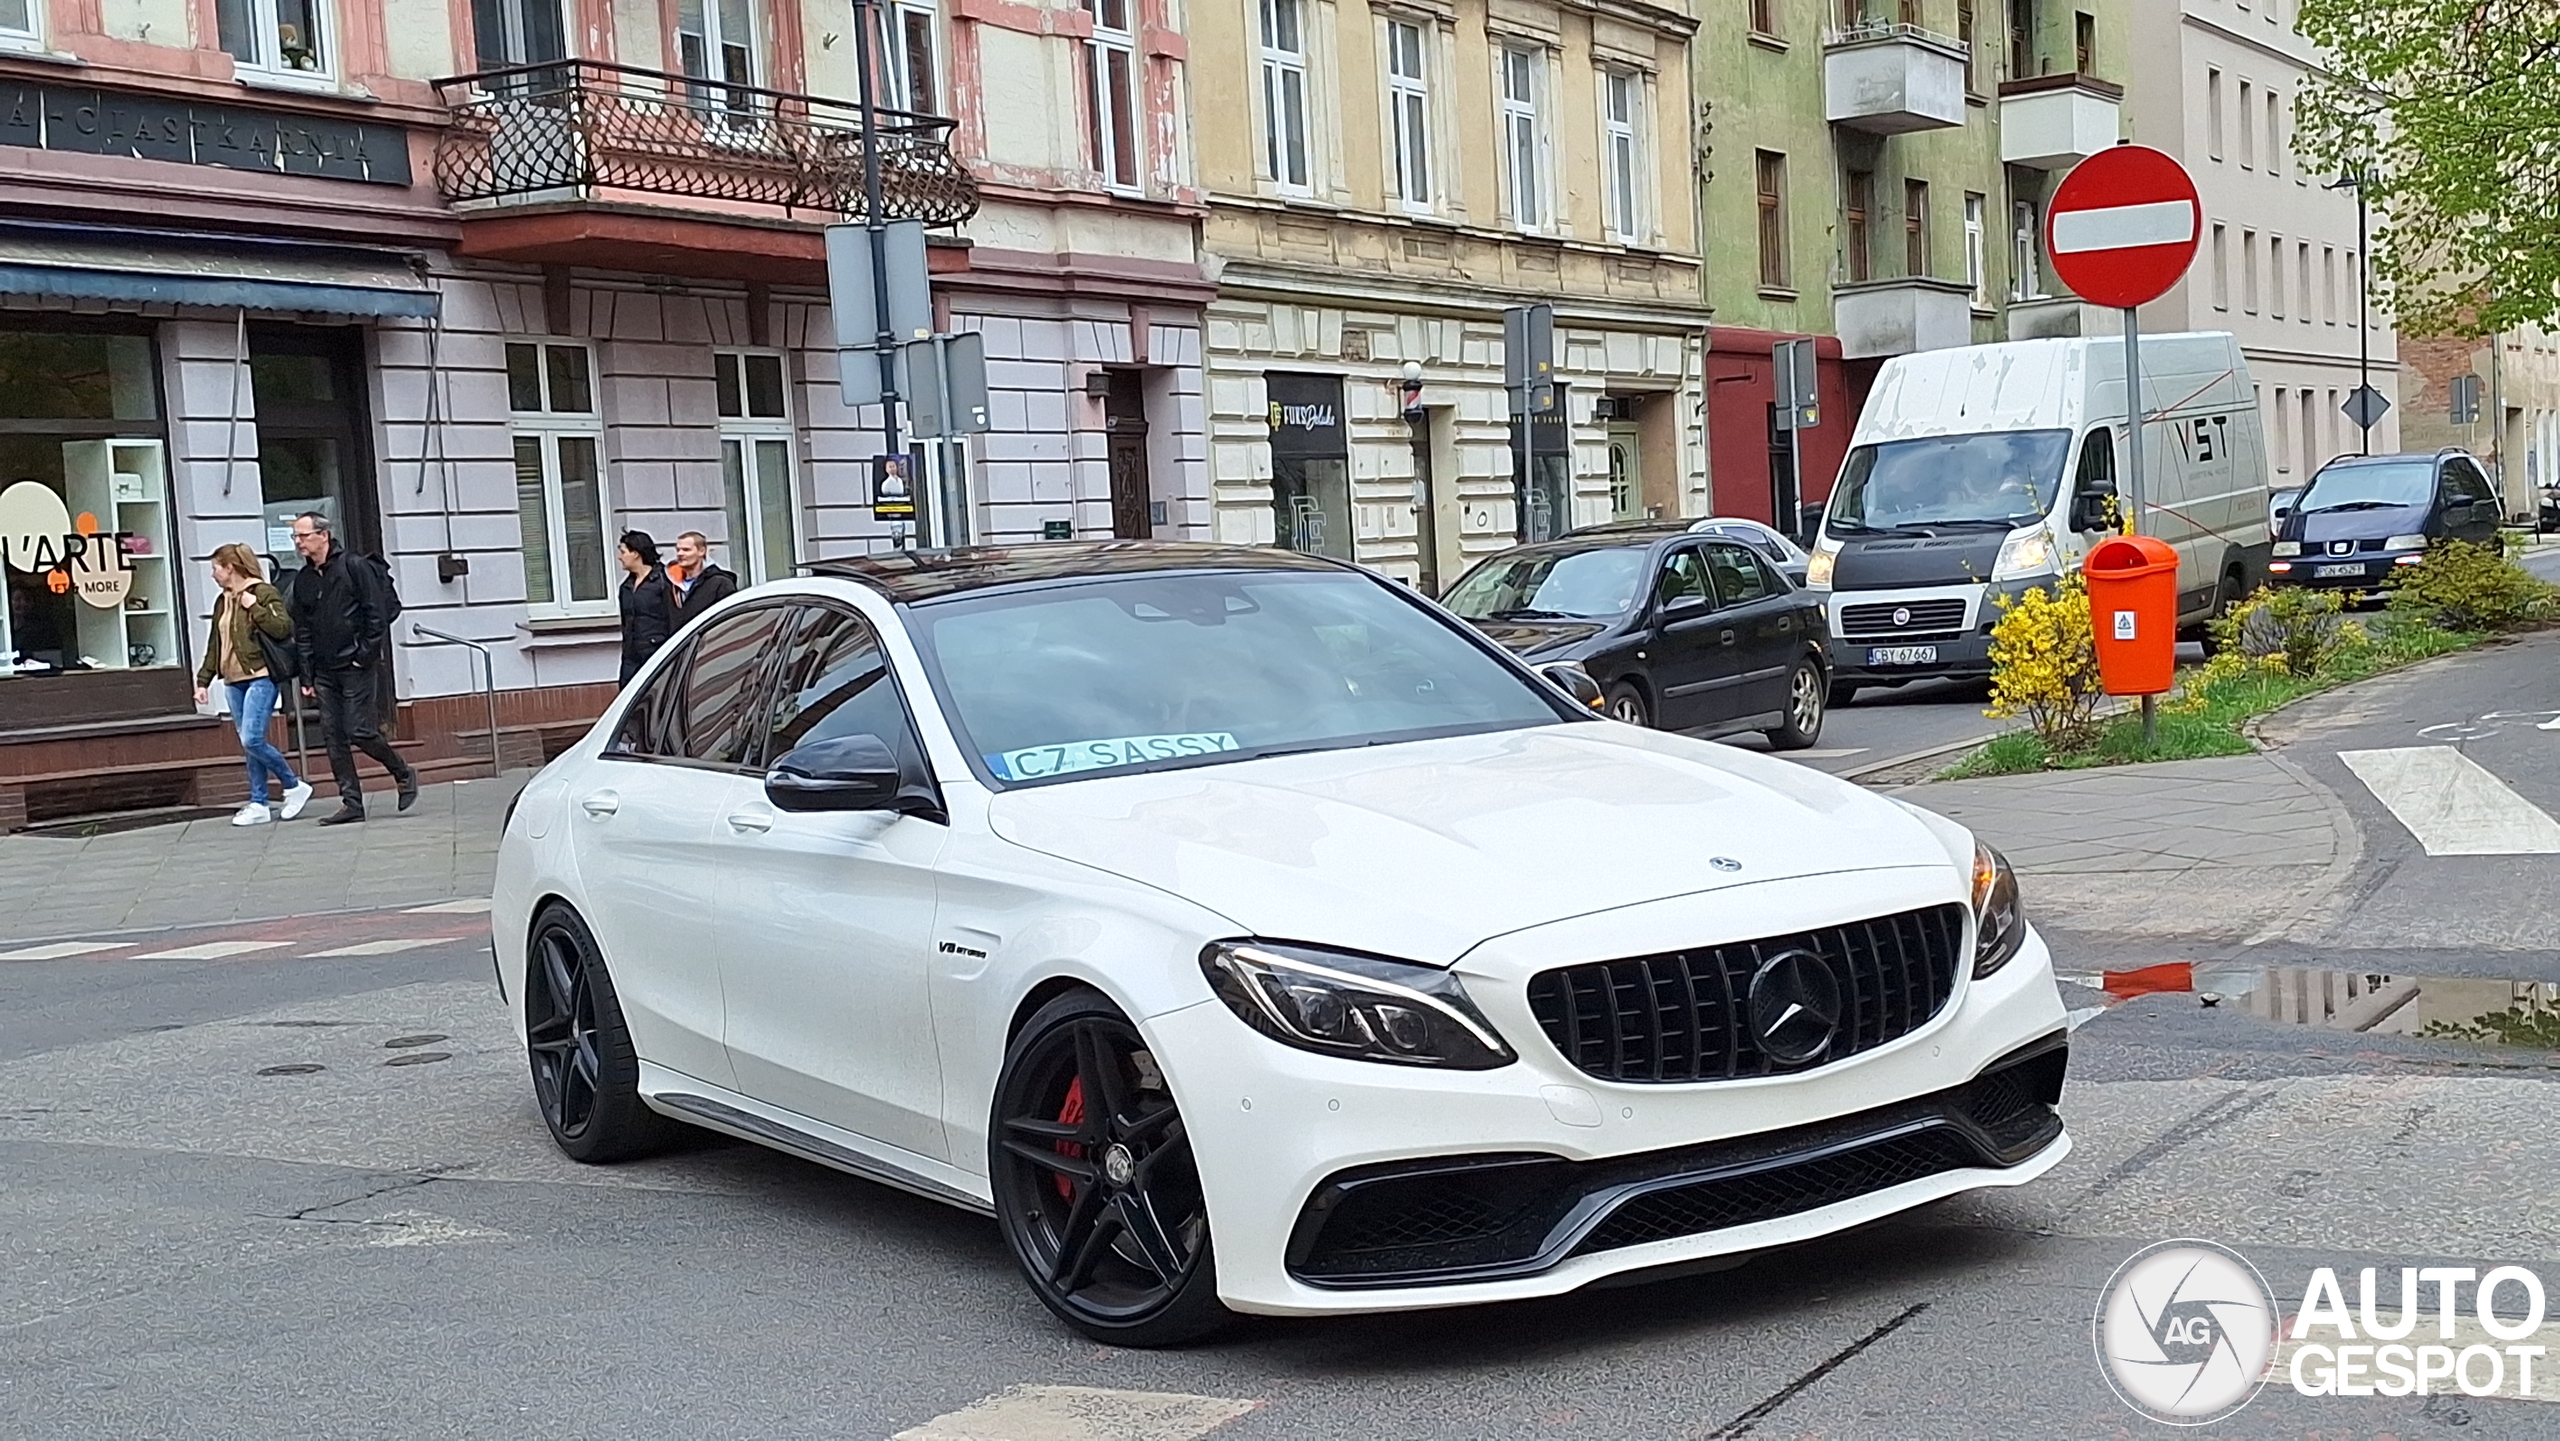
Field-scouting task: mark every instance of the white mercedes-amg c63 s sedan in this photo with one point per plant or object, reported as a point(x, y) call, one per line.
point(1244, 933)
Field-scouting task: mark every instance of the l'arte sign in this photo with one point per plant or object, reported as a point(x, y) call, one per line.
point(2123, 226)
point(39, 536)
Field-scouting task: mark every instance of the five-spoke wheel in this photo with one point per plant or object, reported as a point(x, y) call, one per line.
point(1805, 695)
point(586, 1076)
point(1095, 1183)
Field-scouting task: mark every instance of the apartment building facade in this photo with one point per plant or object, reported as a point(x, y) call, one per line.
point(2513, 419)
point(488, 283)
point(1875, 178)
point(1404, 171)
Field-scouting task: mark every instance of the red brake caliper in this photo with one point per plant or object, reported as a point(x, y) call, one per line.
point(1071, 1113)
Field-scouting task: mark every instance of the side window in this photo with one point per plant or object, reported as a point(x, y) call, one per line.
point(2097, 474)
point(722, 720)
point(2466, 483)
point(1683, 578)
point(834, 681)
point(648, 727)
point(1738, 575)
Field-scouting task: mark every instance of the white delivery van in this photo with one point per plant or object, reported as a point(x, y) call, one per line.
point(1980, 472)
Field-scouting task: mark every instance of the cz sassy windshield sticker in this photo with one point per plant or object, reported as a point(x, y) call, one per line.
point(1041, 762)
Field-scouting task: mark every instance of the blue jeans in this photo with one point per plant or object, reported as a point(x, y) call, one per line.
point(251, 703)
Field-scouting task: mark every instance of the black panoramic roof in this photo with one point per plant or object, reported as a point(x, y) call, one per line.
point(913, 575)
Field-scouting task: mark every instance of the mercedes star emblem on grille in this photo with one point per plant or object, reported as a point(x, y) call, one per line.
point(1902, 615)
point(1795, 1006)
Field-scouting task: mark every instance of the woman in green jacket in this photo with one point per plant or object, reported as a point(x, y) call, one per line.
point(249, 607)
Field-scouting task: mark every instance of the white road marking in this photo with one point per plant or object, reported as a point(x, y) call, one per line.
point(2452, 804)
point(1081, 1413)
point(62, 950)
point(467, 906)
point(385, 948)
point(2074, 1020)
point(1827, 755)
point(2122, 227)
point(2552, 724)
point(212, 950)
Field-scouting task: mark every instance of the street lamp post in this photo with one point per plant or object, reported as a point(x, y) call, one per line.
point(864, 13)
point(2364, 271)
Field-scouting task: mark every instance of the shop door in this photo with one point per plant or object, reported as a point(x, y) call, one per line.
point(1426, 527)
point(1626, 473)
point(313, 449)
point(1124, 420)
point(1310, 464)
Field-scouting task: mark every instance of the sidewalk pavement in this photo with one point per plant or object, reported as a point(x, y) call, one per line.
point(2237, 848)
point(445, 847)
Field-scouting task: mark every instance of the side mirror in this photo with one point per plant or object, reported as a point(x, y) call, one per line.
point(1574, 681)
point(1683, 605)
point(844, 773)
point(2089, 510)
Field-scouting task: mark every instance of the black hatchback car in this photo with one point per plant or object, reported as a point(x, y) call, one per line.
point(1683, 631)
point(2364, 515)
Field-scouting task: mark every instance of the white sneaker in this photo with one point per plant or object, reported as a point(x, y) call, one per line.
point(252, 814)
point(296, 796)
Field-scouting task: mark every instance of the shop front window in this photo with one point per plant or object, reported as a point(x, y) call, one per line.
point(85, 525)
point(1310, 464)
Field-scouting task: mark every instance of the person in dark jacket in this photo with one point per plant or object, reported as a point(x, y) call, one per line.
point(699, 585)
point(648, 602)
point(341, 632)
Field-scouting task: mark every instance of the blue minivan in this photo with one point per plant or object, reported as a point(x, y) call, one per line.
point(2362, 515)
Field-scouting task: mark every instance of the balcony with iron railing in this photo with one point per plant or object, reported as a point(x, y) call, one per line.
point(555, 161)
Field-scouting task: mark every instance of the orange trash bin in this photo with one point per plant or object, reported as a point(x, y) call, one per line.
point(2133, 613)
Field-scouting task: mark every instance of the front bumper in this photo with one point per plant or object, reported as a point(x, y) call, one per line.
point(1963, 653)
point(1598, 1178)
point(2371, 572)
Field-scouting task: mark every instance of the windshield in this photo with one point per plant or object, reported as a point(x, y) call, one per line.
point(2003, 477)
point(2369, 487)
point(1151, 672)
point(1552, 585)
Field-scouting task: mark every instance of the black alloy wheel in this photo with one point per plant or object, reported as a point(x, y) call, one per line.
point(1094, 1180)
point(586, 1073)
point(1805, 695)
point(1626, 703)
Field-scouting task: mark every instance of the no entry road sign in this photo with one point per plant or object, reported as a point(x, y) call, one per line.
point(2123, 226)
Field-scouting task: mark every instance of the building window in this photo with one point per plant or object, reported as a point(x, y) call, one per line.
point(914, 57)
point(1915, 227)
point(2248, 129)
point(2025, 281)
point(568, 562)
point(2328, 285)
point(1622, 158)
point(2275, 134)
point(504, 33)
point(2249, 271)
point(756, 473)
point(1409, 111)
point(1111, 63)
point(716, 42)
point(2022, 39)
point(19, 28)
point(2084, 43)
point(1284, 94)
point(2213, 113)
point(2284, 430)
point(1974, 249)
point(2302, 280)
point(1857, 203)
point(2221, 269)
point(1769, 170)
point(279, 37)
point(2275, 276)
point(1524, 136)
point(1965, 38)
point(1764, 18)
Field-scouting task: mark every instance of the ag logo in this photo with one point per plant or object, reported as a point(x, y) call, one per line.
point(2184, 1330)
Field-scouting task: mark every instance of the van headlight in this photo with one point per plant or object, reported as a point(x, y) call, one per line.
point(1367, 1008)
point(1999, 919)
point(1817, 570)
point(2025, 553)
point(2405, 542)
point(2288, 547)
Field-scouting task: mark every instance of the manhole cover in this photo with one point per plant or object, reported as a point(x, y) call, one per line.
point(402, 1042)
point(298, 1068)
point(417, 1058)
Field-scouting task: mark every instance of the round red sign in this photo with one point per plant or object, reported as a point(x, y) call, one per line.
point(2123, 226)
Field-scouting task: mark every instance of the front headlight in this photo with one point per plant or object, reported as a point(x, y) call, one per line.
point(1817, 571)
point(2288, 547)
point(2024, 553)
point(1999, 921)
point(2405, 542)
point(1366, 1008)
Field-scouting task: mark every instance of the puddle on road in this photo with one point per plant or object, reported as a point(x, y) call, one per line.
point(2450, 1008)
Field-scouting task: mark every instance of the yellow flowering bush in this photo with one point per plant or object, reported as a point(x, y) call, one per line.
point(2044, 664)
point(2288, 629)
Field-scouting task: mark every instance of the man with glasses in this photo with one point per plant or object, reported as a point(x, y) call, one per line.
point(341, 628)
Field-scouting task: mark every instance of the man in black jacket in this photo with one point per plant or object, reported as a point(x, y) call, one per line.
point(699, 585)
point(341, 631)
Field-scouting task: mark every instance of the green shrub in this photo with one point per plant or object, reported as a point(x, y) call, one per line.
point(2287, 627)
point(2472, 587)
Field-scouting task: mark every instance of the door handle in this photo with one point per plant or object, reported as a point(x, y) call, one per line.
point(751, 822)
point(1728, 637)
point(601, 804)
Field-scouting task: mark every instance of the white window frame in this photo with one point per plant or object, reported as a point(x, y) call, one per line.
point(736, 110)
point(894, 62)
point(1622, 157)
point(1976, 260)
point(1279, 67)
point(1408, 128)
point(269, 64)
point(748, 552)
point(31, 37)
point(2026, 282)
point(1099, 49)
point(549, 427)
point(2275, 277)
point(1528, 198)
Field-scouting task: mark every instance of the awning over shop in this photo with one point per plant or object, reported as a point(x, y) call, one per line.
point(141, 267)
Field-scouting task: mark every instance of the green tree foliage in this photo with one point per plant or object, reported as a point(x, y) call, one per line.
point(2452, 109)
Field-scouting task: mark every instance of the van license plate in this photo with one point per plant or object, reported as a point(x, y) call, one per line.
point(1903, 655)
point(2324, 572)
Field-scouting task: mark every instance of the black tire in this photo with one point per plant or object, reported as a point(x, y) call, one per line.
point(1805, 696)
point(586, 1073)
point(1101, 1203)
point(1842, 692)
point(1626, 703)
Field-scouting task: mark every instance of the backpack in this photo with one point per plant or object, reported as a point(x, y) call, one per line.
point(390, 589)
